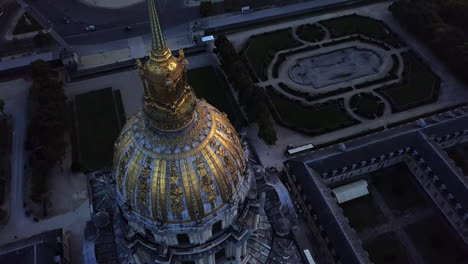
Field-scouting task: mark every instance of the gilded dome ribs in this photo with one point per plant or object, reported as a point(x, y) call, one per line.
point(175, 190)
point(143, 187)
point(189, 196)
point(228, 159)
point(219, 174)
point(132, 175)
point(162, 190)
point(122, 168)
point(206, 180)
point(155, 180)
point(179, 177)
point(196, 195)
point(220, 151)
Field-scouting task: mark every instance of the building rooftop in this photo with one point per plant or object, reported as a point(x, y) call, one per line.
point(44, 248)
point(424, 141)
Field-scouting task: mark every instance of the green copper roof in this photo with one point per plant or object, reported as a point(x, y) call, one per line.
point(156, 32)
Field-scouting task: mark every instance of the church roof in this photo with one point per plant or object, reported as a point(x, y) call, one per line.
point(183, 176)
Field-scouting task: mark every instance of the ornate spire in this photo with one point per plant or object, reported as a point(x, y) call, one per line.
point(168, 99)
point(156, 32)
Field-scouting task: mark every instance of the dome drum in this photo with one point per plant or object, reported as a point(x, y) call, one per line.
point(199, 231)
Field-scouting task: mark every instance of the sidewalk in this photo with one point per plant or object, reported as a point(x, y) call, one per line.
point(114, 4)
point(21, 60)
point(275, 12)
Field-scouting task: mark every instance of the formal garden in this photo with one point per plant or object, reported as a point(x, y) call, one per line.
point(98, 117)
point(336, 73)
point(367, 105)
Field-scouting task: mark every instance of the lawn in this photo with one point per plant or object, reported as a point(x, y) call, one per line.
point(436, 241)
point(98, 128)
point(356, 24)
point(318, 120)
point(386, 249)
point(214, 90)
point(310, 32)
point(367, 105)
point(261, 45)
point(459, 154)
point(420, 84)
point(24, 26)
point(395, 185)
point(362, 212)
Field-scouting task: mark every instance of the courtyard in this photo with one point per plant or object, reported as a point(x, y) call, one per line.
point(387, 249)
point(459, 154)
point(393, 221)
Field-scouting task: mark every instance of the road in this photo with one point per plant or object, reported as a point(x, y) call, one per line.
point(109, 23)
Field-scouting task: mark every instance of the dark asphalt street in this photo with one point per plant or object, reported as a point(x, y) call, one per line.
point(109, 23)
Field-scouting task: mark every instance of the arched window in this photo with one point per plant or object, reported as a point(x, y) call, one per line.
point(217, 227)
point(183, 239)
point(221, 254)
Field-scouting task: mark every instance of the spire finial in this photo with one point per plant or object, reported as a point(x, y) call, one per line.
point(156, 32)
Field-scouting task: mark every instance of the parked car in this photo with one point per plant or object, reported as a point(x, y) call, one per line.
point(90, 28)
point(66, 20)
point(129, 28)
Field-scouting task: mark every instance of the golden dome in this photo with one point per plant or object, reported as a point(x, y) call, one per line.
point(180, 159)
point(183, 176)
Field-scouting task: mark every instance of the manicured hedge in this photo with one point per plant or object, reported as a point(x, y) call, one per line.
point(312, 120)
point(313, 97)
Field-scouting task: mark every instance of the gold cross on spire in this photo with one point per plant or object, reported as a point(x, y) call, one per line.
point(156, 32)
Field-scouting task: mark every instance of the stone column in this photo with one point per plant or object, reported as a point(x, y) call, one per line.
point(238, 252)
point(244, 248)
point(210, 259)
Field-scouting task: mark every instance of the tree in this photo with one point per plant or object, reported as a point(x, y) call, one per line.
point(2, 106)
point(266, 132)
point(47, 126)
point(41, 39)
point(40, 70)
point(251, 97)
point(440, 24)
point(206, 8)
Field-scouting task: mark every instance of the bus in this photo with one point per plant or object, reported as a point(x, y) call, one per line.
point(291, 151)
point(309, 257)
